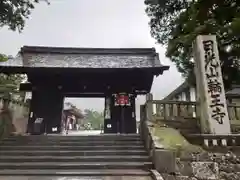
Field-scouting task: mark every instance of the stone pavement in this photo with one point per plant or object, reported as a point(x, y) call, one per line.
point(84, 133)
point(74, 178)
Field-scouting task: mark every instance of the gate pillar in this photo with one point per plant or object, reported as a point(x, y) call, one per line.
point(122, 117)
point(46, 105)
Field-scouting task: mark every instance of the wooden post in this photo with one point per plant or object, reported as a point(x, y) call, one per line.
point(149, 106)
point(158, 110)
point(142, 119)
point(165, 111)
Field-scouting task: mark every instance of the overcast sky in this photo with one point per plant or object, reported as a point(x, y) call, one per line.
point(92, 23)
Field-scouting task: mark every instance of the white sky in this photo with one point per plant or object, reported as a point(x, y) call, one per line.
point(92, 23)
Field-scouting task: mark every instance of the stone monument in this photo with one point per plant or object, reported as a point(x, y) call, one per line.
point(210, 88)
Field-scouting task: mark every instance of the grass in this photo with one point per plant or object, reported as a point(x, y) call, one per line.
point(172, 139)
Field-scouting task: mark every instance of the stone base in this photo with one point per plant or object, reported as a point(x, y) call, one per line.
point(164, 160)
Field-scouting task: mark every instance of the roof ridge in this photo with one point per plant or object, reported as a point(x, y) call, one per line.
point(86, 50)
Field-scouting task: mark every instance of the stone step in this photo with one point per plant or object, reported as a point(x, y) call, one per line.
point(72, 158)
point(77, 172)
point(73, 139)
point(59, 147)
point(71, 143)
point(76, 165)
point(71, 152)
point(76, 177)
point(62, 137)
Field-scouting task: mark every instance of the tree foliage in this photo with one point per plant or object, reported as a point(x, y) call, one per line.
point(13, 13)
point(3, 58)
point(176, 23)
point(94, 117)
point(13, 79)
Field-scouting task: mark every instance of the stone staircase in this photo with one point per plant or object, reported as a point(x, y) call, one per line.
point(103, 155)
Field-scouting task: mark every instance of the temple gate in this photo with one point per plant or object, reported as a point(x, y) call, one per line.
point(118, 75)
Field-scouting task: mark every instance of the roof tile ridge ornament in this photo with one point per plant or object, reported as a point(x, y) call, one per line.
point(88, 50)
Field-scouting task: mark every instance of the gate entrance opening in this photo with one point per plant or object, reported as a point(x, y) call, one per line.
point(83, 116)
point(118, 75)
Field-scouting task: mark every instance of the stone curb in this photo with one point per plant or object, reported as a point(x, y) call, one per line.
point(156, 175)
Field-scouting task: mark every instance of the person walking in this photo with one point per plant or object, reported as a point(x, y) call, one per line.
point(67, 122)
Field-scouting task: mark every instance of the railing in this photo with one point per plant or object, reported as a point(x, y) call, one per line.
point(234, 116)
point(144, 130)
point(183, 114)
point(234, 112)
point(177, 114)
point(168, 110)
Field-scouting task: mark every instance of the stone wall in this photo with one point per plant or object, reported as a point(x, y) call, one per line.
point(206, 166)
point(185, 161)
point(13, 117)
point(20, 117)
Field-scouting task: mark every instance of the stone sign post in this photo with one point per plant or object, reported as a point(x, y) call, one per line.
point(210, 88)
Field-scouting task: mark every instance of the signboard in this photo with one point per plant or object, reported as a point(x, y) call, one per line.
point(38, 120)
point(122, 100)
point(210, 85)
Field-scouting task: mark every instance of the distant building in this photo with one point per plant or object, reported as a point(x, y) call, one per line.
point(233, 95)
point(75, 113)
point(184, 92)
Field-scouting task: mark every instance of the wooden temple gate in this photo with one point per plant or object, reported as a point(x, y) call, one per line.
point(118, 75)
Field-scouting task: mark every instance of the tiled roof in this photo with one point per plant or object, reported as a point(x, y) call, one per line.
point(234, 92)
point(181, 88)
point(84, 58)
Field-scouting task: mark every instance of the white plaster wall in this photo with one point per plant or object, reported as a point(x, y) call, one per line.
point(183, 96)
point(193, 94)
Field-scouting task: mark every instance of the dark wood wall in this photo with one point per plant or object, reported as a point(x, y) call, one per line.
point(123, 118)
point(49, 90)
point(46, 104)
point(104, 83)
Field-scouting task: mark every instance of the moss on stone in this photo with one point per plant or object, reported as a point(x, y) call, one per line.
point(172, 139)
point(6, 125)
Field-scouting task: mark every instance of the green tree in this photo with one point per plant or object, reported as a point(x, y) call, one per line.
point(3, 58)
point(11, 80)
point(94, 117)
point(176, 23)
point(13, 13)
